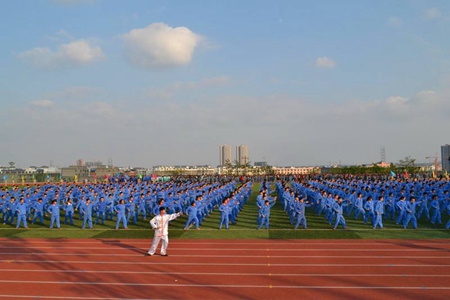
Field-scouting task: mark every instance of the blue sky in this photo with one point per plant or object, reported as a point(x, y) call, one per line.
point(166, 82)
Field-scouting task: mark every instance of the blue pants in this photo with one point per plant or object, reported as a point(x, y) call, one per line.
point(369, 214)
point(54, 219)
point(123, 219)
point(39, 215)
point(87, 219)
point(436, 217)
point(410, 217)
point(9, 217)
point(22, 218)
point(300, 220)
point(359, 210)
point(192, 219)
point(132, 214)
point(378, 221)
point(224, 220)
point(340, 220)
point(401, 216)
point(100, 214)
point(68, 216)
point(422, 210)
point(264, 219)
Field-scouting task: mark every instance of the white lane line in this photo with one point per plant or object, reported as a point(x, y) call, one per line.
point(114, 273)
point(173, 248)
point(153, 262)
point(191, 242)
point(228, 256)
point(223, 285)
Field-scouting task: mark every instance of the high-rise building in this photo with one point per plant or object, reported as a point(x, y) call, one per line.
point(225, 154)
point(445, 155)
point(242, 154)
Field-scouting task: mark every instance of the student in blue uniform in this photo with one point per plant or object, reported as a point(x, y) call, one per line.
point(53, 210)
point(87, 214)
point(400, 206)
point(192, 216)
point(101, 210)
point(224, 214)
point(265, 213)
point(69, 210)
point(39, 211)
point(301, 217)
point(359, 207)
point(436, 211)
point(22, 213)
point(10, 211)
point(370, 211)
point(339, 210)
point(120, 210)
point(410, 213)
point(379, 211)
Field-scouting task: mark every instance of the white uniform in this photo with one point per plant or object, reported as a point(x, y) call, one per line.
point(161, 226)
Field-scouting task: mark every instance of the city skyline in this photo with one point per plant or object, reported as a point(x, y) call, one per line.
point(163, 83)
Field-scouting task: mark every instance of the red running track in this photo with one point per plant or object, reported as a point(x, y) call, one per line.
point(225, 269)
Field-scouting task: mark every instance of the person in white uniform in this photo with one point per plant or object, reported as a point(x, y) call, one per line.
point(161, 225)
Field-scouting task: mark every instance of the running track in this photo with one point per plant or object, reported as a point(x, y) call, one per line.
point(225, 269)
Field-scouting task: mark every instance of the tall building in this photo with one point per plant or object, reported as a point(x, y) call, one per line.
point(225, 154)
point(445, 155)
point(242, 154)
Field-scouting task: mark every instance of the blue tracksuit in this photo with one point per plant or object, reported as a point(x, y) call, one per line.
point(436, 212)
point(69, 213)
point(402, 211)
point(120, 210)
point(21, 214)
point(301, 218)
point(265, 214)
point(338, 209)
point(54, 212)
point(87, 215)
point(379, 211)
point(410, 214)
point(224, 215)
point(192, 217)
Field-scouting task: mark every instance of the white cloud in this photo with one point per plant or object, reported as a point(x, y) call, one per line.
point(325, 62)
point(79, 52)
point(169, 91)
point(42, 103)
point(432, 13)
point(395, 22)
point(159, 46)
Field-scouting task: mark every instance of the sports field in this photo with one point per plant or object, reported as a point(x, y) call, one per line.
point(225, 269)
point(239, 263)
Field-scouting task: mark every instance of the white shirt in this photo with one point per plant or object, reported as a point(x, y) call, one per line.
point(161, 223)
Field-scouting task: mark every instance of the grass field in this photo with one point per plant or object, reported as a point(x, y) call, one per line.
point(280, 228)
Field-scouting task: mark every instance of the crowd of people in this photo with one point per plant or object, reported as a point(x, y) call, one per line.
point(404, 201)
point(123, 202)
point(334, 199)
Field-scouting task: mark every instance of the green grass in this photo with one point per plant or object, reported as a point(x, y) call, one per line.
point(280, 228)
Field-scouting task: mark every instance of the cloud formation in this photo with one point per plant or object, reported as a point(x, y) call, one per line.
point(395, 22)
point(432, 13)
point(169, 91)
point(325, 62)
point(75, 53)
point(160, 46)
point(42, 103)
